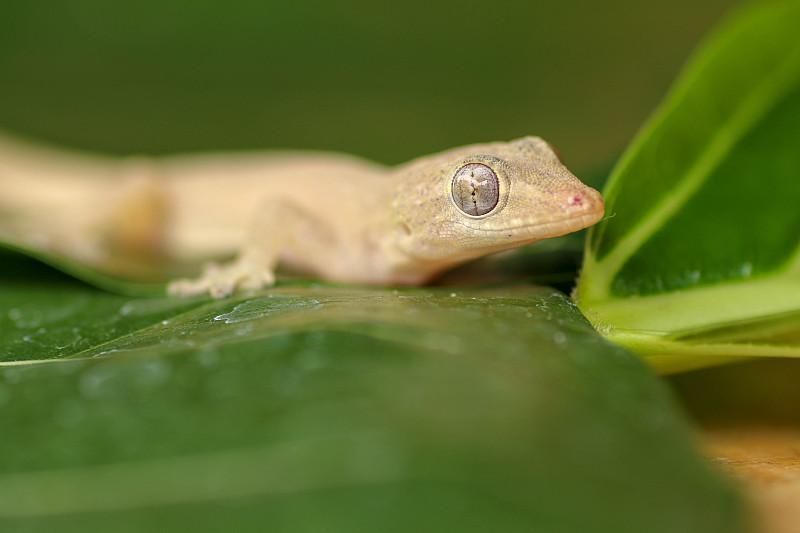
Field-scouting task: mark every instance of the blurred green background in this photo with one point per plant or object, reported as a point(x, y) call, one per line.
point(389, 81)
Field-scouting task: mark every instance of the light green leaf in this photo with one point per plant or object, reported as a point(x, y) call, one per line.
point(699, 259)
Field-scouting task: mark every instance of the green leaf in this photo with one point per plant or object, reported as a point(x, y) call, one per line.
point(322, 408)
point(699, 259)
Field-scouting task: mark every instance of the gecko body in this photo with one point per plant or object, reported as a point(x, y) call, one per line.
point(336, 217)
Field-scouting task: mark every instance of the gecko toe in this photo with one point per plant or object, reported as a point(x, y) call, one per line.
point(220, 281)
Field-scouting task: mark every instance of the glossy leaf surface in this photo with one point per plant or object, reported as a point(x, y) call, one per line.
point(318, 408)
point(699, 258)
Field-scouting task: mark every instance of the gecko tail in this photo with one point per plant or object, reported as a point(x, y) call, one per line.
point(136, 222)
point(85, 207)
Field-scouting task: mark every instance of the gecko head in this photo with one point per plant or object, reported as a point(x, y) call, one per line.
point(480, 199)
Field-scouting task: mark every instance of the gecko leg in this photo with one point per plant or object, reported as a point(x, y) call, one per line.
point(220, 281)
point(279, 224)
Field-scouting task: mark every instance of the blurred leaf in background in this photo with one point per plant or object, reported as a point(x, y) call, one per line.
point(378, 80)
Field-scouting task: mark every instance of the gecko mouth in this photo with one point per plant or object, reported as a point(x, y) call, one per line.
point(588, 208)
point(576, 222)
point(551, 228)
point(570, 224)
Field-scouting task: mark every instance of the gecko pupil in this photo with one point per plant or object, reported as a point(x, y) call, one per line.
point(475, 189)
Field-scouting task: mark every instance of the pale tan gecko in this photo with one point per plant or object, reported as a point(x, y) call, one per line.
point(333, 216)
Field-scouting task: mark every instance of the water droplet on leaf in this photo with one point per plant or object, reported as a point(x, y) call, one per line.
point(269, 306)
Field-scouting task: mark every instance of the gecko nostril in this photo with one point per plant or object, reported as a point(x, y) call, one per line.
point(576, 199)
point(587, 200)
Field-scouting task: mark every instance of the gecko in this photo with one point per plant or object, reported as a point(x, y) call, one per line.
point(337, 217)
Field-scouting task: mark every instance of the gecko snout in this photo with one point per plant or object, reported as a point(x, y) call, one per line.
point(587, 204)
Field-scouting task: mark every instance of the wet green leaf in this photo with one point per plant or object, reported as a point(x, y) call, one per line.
point(321, 408)
point(699, 259)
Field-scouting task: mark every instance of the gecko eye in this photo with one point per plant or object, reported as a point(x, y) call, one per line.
point(476, 189)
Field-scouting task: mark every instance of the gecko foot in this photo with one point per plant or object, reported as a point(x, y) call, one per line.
point(220, 281)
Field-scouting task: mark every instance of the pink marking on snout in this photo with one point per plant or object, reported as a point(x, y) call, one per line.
point(576, 200)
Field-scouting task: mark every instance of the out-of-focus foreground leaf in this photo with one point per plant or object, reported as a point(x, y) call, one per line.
point(699, 260)
point(317, 408)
